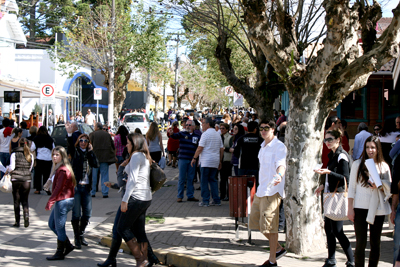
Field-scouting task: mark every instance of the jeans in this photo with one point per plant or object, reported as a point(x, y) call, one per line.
point(250, 172)
point(5, 160)
point(132, 222)
point(58, 217)
point(396, 238)
point(82, 199)
point(208, 177)
point(333, 230)
point(51, 129)
point(104, 178)
point(120, 159)
point(361, 229)
point(186, 173)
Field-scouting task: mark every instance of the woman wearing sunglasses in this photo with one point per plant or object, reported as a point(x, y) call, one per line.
point(338, 169)
point(83, 160)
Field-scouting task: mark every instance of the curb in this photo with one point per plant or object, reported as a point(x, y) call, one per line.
point(173, 259)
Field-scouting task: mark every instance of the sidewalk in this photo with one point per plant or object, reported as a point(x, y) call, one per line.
point(194, 236)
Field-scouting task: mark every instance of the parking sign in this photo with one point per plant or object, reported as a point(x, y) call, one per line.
point(47, 94)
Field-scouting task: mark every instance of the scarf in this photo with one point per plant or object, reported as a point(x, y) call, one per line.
point(7, 131)
point(55, 168)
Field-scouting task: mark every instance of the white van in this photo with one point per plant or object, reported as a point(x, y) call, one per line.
point(137, 120)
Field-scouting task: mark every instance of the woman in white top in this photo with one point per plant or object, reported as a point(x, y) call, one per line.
point(367, 203)
point(137, 199)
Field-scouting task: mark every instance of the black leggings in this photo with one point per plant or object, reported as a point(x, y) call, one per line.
point(42, 173)
point(156, 156)
point(225, 172)
point(20, 191)
point(333, 230)
point(132, 222)
point(361, 229)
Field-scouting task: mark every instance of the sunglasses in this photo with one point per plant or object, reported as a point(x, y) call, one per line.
point(105, 129)
point(222, 128)
point(84, 140)
point(266, 128)
point(376, 129)
point(328, 140)
point(188, 125)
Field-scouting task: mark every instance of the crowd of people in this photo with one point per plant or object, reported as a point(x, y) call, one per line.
point(207, 147)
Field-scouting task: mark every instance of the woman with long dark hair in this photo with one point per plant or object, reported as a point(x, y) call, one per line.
point(43, 145)
point(154, 141)
point(122, 178)
point(83, 160)
point(120, 143)
point(137, 199)
point(62, 198)
point(367, 203)
point(334, 178)
point(14, 143)
point(238, 131)
point(21, 164)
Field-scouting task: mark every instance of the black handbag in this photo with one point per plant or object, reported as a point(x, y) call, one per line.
point(157, 177)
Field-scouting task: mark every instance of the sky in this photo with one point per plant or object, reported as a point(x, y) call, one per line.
point(387, 8)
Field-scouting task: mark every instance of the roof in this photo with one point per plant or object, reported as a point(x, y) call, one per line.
point(381, 25)
point(388, 66)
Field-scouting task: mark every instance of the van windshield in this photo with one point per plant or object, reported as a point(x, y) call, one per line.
point(133, 118)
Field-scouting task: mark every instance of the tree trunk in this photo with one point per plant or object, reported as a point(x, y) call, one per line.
point(303, 139)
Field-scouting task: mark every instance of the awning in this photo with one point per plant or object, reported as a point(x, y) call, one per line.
point(16, 29)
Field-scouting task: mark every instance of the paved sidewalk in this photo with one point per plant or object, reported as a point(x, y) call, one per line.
point(208, 233)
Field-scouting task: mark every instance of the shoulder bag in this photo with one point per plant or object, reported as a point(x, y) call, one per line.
point(335, 204)
point(157, 177)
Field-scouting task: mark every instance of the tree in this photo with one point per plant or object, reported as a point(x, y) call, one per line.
point(278, 32)
point(135, 40)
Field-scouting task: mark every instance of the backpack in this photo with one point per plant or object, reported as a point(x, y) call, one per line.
point(157, 177)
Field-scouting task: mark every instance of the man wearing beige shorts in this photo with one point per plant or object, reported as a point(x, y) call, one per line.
point(264, 214)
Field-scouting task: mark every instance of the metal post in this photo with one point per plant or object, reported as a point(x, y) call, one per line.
point(176, 73)
point(248, 214)
point(97, 112)
point(47, 117)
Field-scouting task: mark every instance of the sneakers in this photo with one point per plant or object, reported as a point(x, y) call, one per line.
point(193, 199)
point(201, 204)
point(268, 263)
point(280, 254)
point(212, 203)
point(179, 200)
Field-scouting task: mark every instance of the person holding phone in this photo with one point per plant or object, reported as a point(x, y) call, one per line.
point(362, 193)
point(334, 176)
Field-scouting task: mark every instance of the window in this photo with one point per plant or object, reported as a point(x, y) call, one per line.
point(133, 118)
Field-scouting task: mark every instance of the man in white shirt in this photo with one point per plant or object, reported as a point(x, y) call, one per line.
point(90, 119)
point(264, 214)
point(211, 151)
point(359, 140)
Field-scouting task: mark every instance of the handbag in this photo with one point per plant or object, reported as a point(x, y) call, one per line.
point(157, 177)
point(336, 204)
point(5, 184)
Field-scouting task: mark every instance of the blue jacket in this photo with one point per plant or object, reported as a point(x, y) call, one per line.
point(188, 144)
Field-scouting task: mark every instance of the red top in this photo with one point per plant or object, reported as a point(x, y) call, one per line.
point(63, 187)
point(173, 144)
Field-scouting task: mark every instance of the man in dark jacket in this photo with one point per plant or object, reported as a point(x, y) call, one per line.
point(104, 149)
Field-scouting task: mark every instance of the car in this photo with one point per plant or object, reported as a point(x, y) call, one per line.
point(136, 120)
point(59, 133)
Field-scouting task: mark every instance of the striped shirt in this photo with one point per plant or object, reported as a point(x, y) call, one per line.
point(188, 143)
point(212, 143)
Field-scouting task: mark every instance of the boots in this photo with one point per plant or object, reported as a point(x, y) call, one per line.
point(68, 247)
point(17, 219)
point(75, 226)
point(84, 223)
point(112, 255)
point(26, 219)
point(59, 255)
point(151, 256)
point(139, 251)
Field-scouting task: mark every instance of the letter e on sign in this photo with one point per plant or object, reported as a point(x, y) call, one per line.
point(97, 94)
point(47, 94)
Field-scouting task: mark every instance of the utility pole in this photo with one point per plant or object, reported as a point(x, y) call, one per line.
point(111, 70)
point(176, 73)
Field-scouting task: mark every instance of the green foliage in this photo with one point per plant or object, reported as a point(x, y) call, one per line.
point(37, 108)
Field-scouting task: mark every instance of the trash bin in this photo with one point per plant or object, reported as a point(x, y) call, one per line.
point(238, 194)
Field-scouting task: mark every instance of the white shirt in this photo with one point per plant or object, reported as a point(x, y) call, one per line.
point(43, 153)
point(389, 137)
point(271, 156)
point(5, 142)
point(212, 143)
point(359, 142)
point(90, 118)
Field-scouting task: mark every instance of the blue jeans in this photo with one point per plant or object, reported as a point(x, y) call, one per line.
point(104, 178)
point(5, 160)
point(208, 176)
point(51, 129)
point(82, 199)
point(58, 217)
point(186, 172)
point(396, 237)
